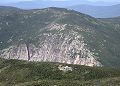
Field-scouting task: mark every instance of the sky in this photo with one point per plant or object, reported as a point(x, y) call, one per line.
point(29, 4)
point(14, 1)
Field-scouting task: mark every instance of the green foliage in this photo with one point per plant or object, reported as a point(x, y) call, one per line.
point(23, 73)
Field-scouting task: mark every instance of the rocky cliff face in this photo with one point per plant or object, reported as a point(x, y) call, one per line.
point(54, 47)
point(58, 35)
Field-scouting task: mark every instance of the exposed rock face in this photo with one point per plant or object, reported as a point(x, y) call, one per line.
point(54, 47)
point(65, 68)
point(59, 35)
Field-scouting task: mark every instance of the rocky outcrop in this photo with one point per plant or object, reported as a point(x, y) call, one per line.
point(54, 47)
point(49, 35)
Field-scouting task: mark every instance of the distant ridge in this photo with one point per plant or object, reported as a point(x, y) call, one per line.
point(98, 11)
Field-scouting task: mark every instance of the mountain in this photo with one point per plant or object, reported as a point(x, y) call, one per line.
point(98, 11)
point(24, 73)
point(58, 35)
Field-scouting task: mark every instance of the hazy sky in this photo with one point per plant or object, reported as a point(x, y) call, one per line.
point(12, 1)
point(103, 0)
